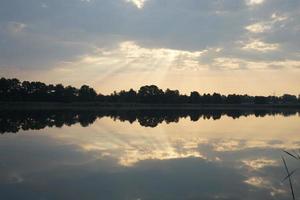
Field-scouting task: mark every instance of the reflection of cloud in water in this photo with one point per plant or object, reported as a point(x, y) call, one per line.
point(257, 182)
point(227, 145)
point(137, 150)
point(240, 144)
point(262, 182)
point(259, 163)
point(131, 143)
point(133, 157)
point(15, 178)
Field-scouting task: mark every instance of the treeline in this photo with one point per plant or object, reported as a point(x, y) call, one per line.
point(13, 90)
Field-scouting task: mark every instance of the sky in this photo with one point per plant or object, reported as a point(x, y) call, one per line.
point(225, 46)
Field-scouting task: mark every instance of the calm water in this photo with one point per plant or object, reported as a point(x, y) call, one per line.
point(132, 155)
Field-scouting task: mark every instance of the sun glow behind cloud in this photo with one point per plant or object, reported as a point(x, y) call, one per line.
point(254, 2)
point(138, 3)
point(135, 66)
point(129, 58)
point(129, 54)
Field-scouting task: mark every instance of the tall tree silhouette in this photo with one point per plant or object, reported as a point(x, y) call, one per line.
point(87, 93)
point(150, 94)
point(195, 97)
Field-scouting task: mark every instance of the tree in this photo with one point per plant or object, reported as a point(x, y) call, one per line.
point(260, 100)
point(87, 93)
point(206, 99)
point(70, 94)
point(39, 91)
point(125, 96)
point(59, 92)
point(216, 98)
point(234, 99)
point(195, 97)
point(14, 90)
point(171, 96)
point(287, 98)
point(150, 94)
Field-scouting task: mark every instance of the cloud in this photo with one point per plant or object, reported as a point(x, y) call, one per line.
point(278, 18)
point(15, 27)
point(254, 2)
point(222, 63)
point(276, 66)
point(258, 45)
point(267, 25)
point(258, 27)
point(130, 57)
point(138, 3)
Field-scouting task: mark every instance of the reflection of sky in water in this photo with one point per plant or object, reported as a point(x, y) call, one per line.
point(223, 159)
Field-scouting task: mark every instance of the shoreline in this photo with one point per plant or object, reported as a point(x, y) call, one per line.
point(139, 106)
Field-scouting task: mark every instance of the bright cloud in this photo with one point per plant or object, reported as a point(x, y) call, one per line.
point(258, 45)
point(130, 56)
point(267, 25)
point(258, 27)
point(138, 3)
point(278, 18)
point(254, 2)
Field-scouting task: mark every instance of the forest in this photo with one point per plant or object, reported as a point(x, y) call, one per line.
point(13, 90)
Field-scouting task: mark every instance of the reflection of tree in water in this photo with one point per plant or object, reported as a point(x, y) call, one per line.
point(150, 121)
point(35, 120)
point(13, 121)
point(86, 118)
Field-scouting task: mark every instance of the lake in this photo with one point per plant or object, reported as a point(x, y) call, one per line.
point(152, 154)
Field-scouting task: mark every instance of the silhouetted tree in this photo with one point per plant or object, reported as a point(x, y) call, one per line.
point(195, 97)
point(287, 98)
point(14, 90)
point(260, 100)
point(216, 99)
point(171, 96)
point(70, 94)
point(86, 93)
point(150, 94)
point(233, 99)
point(59, 92)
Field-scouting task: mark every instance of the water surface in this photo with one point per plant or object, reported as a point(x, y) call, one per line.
point(147, 155)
